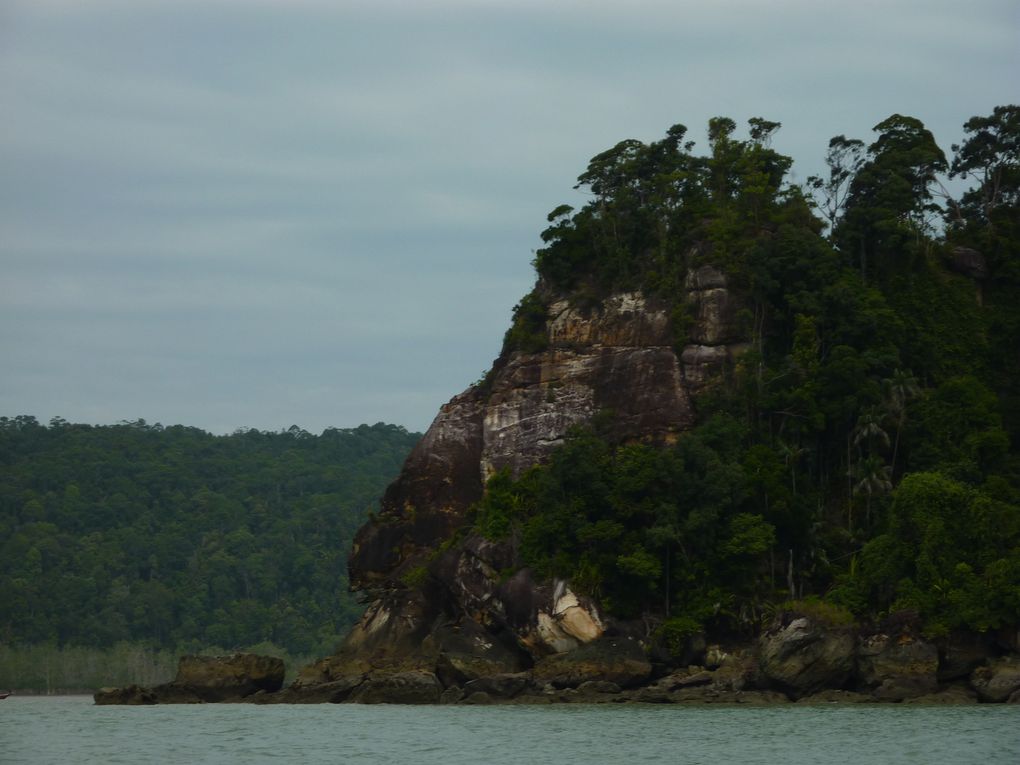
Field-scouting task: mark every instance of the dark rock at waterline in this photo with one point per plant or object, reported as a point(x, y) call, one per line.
point(621, 661)
point(503, 685)
point(961, 653)
point(202, 679)
point(998, 680)
point(953, 695)
point(836, 697)
point(217, 678)
point(897, 667)
point(802, 656)
point(467, 652)
point(132, 695)
point(334, 691)
point(413, 687)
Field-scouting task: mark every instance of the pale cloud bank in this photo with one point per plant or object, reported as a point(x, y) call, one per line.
point(228, 213)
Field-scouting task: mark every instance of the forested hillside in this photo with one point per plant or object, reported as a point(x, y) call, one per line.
point(170, 537)
point(863, 449)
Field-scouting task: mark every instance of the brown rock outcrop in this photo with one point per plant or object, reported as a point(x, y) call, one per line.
point(897, 667)
point(447, 608)
point(998, 680)
point(804, 657)
point(202, 679)
point(615, 660)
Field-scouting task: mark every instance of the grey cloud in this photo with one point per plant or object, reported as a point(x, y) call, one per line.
point(231, 213)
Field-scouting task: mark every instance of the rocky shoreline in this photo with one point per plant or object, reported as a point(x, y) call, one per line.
point(455, 617)
point(797, 660)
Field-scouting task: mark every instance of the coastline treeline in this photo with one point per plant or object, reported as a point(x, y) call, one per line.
point(133, 543)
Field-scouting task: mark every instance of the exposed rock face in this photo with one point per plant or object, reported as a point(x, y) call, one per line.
point(400, 688)
point(997, 681)
point(897, 667)
point(240, 675)
point(450, 611)
point(803, 657)
point(129, 695)
point(969, 262)
point(615, 660)
point(618, 357)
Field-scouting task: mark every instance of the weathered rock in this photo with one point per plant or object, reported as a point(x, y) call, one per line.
point(567, 624)
point(686, 679)
point(202, 679)
point(715, 656)
point(618, 357)
point(715, 313)
point(504, 686)
point(968, 262)
point(598, 686)
point(330, 692)
point(467, 651)
point(705, 278)
point(754, 698)
point(616, 660)
point(899, 667)
point(132, 695)
point(399, 688)
point(961, 653)
point(451, 695)
point(650, 695)
point(803, 657)
point(218, 678)
point(836, 697)
point(953, 695)
point(998, 680)
point(477, 698)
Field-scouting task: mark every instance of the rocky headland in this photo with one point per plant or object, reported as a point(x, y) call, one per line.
point(453, 617)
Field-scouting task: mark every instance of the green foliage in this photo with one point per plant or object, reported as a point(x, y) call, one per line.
point(870, 367)
point(527, 333)
point(415, 577)
point(889, 202)
point(820, 611)
point(952, 553)
point(675, 632)
point(176, 538)
point(637, 526)
point(654, 204)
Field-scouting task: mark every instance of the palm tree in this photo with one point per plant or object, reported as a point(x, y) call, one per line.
point(899, 389)
point(869, 428)
point(872, 477)
point(865, 433)
point(791, 456)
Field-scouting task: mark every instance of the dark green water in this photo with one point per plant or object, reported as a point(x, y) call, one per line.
point(72, 730)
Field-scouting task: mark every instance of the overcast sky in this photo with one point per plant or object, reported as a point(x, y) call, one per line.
point(229, 213)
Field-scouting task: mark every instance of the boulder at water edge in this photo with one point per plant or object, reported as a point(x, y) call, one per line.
point(802, 656)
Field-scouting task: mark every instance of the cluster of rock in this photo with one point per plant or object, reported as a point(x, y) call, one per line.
point(797, 660)
point(206, 679)
point(441, 594)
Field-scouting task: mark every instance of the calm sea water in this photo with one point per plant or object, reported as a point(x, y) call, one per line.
point(73, 730)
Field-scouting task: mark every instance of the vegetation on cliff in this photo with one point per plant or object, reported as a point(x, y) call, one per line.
point(173, 538)
point(864, 448)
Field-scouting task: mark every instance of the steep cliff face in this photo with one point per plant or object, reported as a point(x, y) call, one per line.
point(444, 602)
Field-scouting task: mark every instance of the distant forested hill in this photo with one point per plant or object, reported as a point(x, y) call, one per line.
point(172, 537)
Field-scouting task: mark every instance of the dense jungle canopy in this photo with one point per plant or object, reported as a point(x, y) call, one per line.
point(862, 454)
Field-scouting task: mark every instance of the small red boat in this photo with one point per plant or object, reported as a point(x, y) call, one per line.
point(4, 695)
